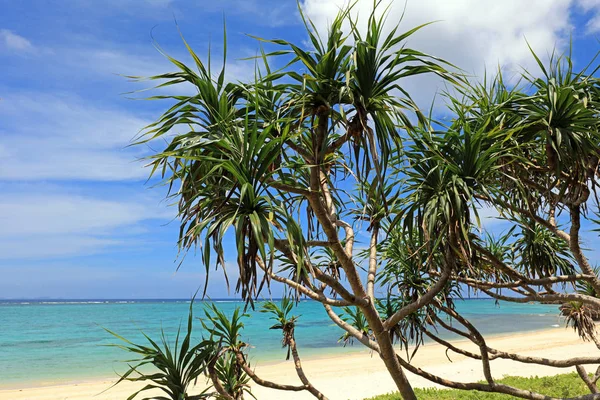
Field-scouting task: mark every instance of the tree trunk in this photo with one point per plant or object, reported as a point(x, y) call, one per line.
point(388, 354)
point(325, 213)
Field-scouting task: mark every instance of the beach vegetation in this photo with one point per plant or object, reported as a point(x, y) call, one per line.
point(284, 321)
point(169, 367)
point(558, 386)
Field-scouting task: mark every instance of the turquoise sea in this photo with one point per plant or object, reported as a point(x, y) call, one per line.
point(45, 342)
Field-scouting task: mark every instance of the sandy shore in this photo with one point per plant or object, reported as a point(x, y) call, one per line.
point(359, 375)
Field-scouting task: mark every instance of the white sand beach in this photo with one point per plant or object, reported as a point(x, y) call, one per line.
point(360, 375)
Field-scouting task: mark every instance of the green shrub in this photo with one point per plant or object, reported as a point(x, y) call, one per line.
point(566, 385)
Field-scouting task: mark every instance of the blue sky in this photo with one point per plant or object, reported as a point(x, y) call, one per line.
point(77, 219)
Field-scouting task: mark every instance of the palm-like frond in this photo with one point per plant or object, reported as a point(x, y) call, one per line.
point(409, 331)
point(232, 377)
point(355, 317)
point(445, 174)
point(175, 366)
point(226, 329)
point(578, 316)
point(227, 332)
point(540, 253)
point(563, 115)
point(284, 321)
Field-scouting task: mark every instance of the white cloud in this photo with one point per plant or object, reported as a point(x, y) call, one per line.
point(272, 13)
point(490, 219)
point(113, 65)
point(12, 41)
point(471, 34)
point(38, 223)
point(111, 62)
point(49, 136)
point(43, 214)
point(593, 7)
point(588, 4)
point(17, 248)
point(593, 25)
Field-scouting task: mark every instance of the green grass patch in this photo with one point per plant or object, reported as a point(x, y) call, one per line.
point(566, 385)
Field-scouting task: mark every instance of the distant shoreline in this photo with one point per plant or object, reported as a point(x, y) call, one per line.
point(149, 300)
point(352, 376)
point(46, 342)
point(349, 352)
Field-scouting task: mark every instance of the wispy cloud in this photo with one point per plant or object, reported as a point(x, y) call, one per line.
point(591, 7)
point(272, 13)
point(51, 136)
point(490, 219)
point(12, 41)
point(38, 223)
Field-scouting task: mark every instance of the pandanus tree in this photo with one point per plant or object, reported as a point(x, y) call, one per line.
point(297, 163)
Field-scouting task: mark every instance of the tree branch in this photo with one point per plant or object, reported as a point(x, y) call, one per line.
point(478, 339)
point(574, 245)
point(451, 346)
point(372, 263)
point(361, 337)
point(483, 387)
point(271, 385)
point(552, 227)
point(283, 246)
point(586, 379)
point(557, 297)
point(519, 283)
point(287, 188)
point(212, 373)
point(298, 365)
point(420, 302)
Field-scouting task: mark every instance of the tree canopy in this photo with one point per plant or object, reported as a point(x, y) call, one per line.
point(328, 147)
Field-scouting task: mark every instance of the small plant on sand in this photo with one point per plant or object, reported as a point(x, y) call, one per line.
point(220, 357)
point(175, 367)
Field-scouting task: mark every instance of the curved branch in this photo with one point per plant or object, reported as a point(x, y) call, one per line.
point(212, 373)
point(500, 264)
point(558, 297)
point(586, 379)
point(360, 336)
point(299, 287)
point(451, 328)
point(320, 297)
point(574, 245)
point(519, 283)
point(571, 362)
point(284, 247)
point(494, 354)
point(349, 236)
point(478, 339)
point(318, 243)
point(420, 302)
point(549, 225)
point(262, 382)
point(288, 189)
point(300, 150)
point(451, 346)
point(298, 365)
point(483, 387)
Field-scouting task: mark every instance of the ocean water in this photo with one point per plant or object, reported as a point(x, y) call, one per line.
point(46, 342)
